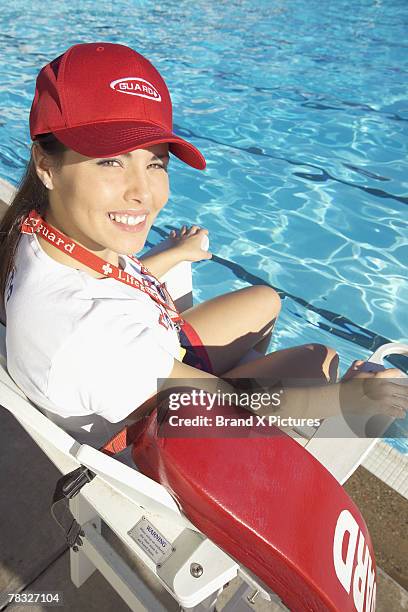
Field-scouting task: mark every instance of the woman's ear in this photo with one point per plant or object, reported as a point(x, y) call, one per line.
point(43, 165)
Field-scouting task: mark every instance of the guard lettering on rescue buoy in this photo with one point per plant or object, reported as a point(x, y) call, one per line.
point(351, 553)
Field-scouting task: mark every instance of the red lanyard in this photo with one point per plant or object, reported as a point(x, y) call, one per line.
point(34, 224)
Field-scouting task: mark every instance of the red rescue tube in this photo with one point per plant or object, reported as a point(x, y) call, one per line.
point(273, 507)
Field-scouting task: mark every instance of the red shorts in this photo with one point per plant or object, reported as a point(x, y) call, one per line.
point(196, 353)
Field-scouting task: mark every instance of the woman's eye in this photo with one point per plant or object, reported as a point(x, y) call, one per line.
point(108, 162)
point(161, 166)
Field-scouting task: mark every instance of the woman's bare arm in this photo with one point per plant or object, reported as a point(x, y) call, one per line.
point(183, 247)
point(160, 263)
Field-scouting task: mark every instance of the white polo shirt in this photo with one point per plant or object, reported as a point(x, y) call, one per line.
point(87, 351)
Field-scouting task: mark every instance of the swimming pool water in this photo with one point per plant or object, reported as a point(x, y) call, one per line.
point(301, 110)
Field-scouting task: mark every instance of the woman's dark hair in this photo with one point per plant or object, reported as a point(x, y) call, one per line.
point(31, 194)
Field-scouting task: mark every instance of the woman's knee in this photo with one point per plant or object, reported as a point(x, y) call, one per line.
point(327, 357)
point(268, 298)
point(322, 351)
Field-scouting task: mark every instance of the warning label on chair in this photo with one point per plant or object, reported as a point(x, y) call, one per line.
point(154, 544)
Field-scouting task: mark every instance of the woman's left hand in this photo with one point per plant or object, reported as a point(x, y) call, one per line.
point(188, 243)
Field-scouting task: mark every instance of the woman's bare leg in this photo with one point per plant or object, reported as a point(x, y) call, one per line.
point(231, 324)
point(311, 361)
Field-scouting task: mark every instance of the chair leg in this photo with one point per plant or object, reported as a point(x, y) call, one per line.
point(244, 599)
point(81, 568)
point(208, 605)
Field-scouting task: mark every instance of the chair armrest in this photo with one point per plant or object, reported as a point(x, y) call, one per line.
point(3, 208)
point(7, 190)
point(134, 485)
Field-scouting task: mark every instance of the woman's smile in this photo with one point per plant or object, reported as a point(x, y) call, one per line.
point(129, 221)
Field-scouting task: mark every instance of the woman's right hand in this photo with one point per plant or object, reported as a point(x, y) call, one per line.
point(188, 243)
point(372, 393)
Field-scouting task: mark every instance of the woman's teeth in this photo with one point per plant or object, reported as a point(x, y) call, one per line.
point(127, 219)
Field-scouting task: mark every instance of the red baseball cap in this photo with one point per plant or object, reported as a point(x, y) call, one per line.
point(104, 99)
